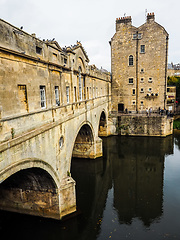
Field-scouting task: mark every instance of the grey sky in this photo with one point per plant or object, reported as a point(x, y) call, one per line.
point(90, 21)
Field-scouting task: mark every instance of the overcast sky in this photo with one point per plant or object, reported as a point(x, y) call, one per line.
point(91, 21)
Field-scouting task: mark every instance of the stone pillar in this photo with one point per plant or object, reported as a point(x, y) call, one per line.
point(88, 149)
point(67, 197)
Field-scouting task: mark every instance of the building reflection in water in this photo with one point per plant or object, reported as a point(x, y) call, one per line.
point(134, 167)
point(138, 172)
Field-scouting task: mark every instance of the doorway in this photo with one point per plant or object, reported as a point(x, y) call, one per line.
point(120, 107)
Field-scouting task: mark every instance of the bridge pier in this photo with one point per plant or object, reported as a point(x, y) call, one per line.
point(88, 149)
point(67, 197)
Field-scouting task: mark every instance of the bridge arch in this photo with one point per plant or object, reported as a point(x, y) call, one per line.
point(27, 164)
point(31, 187)
point(102, 130)
point(34, 178)
point(83, 141)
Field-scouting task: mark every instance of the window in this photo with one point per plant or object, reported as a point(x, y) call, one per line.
point(142, 70)
point(57, 96)
point(134, 36)
point(75, 95)
point(150, 89)
point(142, 103)
point(142, 48)
point(133, 91)
point(22, 92)
point(142, 90)
point(67, 94)
point(65, 60)
point(150, 80)
point(90, 92)
point(80, 86)
point(87, 93)
point(168, 89)
point(61, 142)
point(139, 35)
point(142, 79)
point(43, 96)
point(131, 60)
point(54, 56)
point(84, 88)
point(130, 80)
point(38, 50)
point(134, 102)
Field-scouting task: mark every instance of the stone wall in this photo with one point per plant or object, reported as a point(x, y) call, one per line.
point(139, 83)
point(134, 125)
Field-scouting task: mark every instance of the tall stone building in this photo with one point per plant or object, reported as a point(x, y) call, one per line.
point(139, 65)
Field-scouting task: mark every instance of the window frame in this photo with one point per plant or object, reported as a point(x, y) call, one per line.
point(131, 80)
point(142, 48)
point(80, 85)
point(150, 80)
point(38, 50)
point(131, 60)
point(67, 95)
point(133, 91)
point(57, 99)
point(42, 96)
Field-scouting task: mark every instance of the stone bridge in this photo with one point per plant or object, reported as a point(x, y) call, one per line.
point(36, 166)
point(53, 106)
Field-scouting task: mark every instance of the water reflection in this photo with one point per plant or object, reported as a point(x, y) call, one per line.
point(135, 169)
point(177, 138)
point(127, 184)
point(138, 170)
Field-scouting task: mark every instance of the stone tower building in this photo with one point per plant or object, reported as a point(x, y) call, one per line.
point(139, 65)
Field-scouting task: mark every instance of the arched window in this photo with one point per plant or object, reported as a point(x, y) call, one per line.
point(131, 60)
point(80, 85)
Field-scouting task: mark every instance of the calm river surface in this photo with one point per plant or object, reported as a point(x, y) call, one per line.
point(133, 192)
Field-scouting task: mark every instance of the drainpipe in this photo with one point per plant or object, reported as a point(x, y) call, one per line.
point(137, 81)
point(166, 58)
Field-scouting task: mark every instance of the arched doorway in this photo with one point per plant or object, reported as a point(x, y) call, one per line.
point(30, 191)
point(102, 125)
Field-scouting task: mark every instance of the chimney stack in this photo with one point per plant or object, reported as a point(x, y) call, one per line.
point(150, 17)
point(123, 20)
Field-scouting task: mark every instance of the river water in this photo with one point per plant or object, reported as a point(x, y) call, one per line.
point(132, 192)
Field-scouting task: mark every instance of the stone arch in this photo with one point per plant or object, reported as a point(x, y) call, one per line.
point(84, 141)
point(31, 187)
point(81, 64)
point(102, 130)
point(34, 178)
point(26, 164)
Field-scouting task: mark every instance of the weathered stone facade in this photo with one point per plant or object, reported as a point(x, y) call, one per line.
point(139, 65)
point(139, 125)
point(53, 105)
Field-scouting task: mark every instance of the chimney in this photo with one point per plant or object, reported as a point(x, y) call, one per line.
point(150, 17)
point(123, 21)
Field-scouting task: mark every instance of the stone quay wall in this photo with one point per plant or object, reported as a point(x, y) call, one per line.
point(141, 125)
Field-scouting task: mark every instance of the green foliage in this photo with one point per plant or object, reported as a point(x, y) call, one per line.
point(176, 124)
point(175, 81)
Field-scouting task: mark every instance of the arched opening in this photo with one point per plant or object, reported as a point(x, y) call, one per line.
point(80, 84)
point(83, 142)
point(102, 125)
point(35, 179)
point(131, 60)
point(30, 191)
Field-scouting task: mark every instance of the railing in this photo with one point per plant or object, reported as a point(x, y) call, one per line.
point(142, 113)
